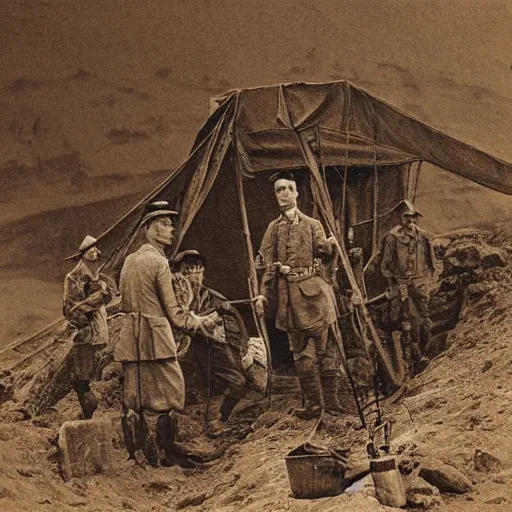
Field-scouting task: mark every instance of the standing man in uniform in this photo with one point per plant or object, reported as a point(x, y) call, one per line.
point(299, 298)
point(153, 380)
point(407, 263)
point(86, 294)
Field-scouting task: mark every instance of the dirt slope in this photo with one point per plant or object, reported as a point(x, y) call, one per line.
point(461, 403)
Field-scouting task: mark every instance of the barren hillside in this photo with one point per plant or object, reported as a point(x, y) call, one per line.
point(456, 414)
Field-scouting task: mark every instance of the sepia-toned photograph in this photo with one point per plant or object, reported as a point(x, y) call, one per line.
point(255, 255)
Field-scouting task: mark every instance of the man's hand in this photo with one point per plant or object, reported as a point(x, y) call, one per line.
point(95, 300)
point(259, 302)
point(331, 242)
point(205, 323)
point(210, 321)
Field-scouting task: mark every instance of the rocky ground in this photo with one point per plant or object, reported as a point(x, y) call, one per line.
point(450, 424)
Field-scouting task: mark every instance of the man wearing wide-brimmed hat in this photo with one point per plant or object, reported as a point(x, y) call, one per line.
point(86, 295)
point(407, 262)
point(153, 380)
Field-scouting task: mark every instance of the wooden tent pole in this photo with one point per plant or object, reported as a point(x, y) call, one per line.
point(253, 279)
point(375, 231)
point(259, 320)
point(343, 219)
point(359, 303)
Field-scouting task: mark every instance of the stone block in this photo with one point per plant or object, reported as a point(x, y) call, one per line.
point(420, 494)
point(86, 448)
point(446, 478)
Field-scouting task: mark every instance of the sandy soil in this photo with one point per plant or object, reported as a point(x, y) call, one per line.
point(460, 403)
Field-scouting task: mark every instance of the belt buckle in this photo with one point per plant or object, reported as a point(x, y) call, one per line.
point(293, 274)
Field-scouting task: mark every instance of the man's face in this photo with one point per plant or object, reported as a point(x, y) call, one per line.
point(286, 193)
point(161, 231)
point(92, 254)
point(194, 273)
point(408, 220)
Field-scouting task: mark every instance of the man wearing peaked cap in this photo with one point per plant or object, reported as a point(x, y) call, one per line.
point(407, 262)
point(153, 380)
point(157, 209)
point(86, 295)
point(298, 296)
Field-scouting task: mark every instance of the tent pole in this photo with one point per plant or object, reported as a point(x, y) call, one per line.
point(343, 220)
point(366, 320)
point(416, 179)
point(253, 277)
point(375, 233)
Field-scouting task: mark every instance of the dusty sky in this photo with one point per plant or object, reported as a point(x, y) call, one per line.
point(425, 57)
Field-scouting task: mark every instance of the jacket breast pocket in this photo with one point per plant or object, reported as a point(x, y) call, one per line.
point(310, 287)
point(164, 345)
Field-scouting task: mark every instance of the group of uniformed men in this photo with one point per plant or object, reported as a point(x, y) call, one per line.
point(168, 312)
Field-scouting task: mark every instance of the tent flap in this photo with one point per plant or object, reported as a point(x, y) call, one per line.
point(266, 115)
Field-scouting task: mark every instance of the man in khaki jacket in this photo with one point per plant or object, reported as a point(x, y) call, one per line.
point(407, 262)
point(299, 297)
point(86, 295)
point(153, 380)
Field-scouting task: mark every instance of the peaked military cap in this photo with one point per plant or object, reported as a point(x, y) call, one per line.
point(282, 175)
point(157, 209)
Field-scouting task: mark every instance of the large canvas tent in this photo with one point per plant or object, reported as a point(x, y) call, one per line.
point(367, 154)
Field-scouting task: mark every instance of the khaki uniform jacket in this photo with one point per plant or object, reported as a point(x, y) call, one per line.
point(79, 285)
point(150, 305)
point(405, 256)
point(306, 304)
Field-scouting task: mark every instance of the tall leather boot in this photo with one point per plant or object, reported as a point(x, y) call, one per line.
point(312, 393)
point(330, 387)
point(144, 441)
point(86, 398)
point(214, 426)
point(174, 453)
point(128, 425)
point(231, 399)
point(165, 436)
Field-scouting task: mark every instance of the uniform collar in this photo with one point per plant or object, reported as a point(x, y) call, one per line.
point(290, 214)
point(155, 248)
point(414, 230)
point(90, 271)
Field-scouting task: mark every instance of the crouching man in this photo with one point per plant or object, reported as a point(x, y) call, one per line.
point(216, 355)
point(153, 380)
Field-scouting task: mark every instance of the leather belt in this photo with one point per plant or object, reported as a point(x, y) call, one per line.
point(300, 273)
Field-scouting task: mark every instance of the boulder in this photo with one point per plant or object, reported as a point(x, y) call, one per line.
point(485, 462)
point(86, 447)
point(446, 478)
point(420, 494)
